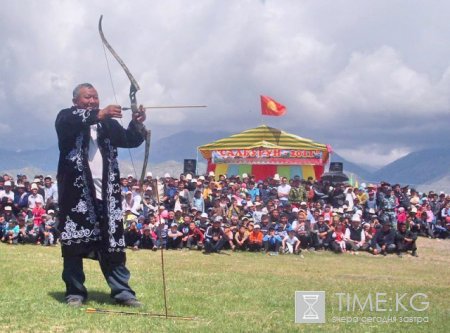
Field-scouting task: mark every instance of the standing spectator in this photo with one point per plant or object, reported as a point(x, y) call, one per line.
point(50, 193)
point(388, 205)
point(34, 196)
point(283, 191)
point(7, 191)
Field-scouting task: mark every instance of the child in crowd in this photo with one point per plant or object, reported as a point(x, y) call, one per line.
point(290, 243)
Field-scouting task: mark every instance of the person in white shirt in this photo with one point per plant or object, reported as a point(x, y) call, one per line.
point(283, 191)
point(290, 243)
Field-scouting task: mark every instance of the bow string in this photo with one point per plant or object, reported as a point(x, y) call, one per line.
point(134, 88)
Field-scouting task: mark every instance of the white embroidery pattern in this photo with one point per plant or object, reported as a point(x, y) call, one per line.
point(81, 207)
point(114, 213)
point(78, 182)
point(75, 154)
point(71, 233)
point(83, 113)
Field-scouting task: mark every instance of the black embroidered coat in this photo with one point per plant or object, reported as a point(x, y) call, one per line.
point(85, 225)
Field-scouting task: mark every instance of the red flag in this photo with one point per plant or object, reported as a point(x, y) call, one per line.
point(269, 107)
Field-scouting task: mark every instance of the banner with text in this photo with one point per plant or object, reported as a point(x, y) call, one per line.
point(268, 156)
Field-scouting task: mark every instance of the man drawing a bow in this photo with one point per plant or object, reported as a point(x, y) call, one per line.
point(89, 192)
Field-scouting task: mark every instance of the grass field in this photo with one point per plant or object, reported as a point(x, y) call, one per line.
point(231, 292)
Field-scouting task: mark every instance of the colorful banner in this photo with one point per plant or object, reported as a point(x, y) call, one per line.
point(268, 156)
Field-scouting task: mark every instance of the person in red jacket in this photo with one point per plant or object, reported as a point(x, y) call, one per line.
point(194, 237)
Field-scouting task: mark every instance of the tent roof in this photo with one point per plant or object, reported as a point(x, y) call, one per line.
point(261, 137)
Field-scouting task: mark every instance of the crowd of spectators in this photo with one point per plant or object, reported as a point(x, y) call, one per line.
point(212, 213)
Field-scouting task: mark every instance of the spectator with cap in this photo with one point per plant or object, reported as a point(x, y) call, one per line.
point(297, 193)
point(290, 244)
point(146, 240)
point(388, 204)
point(255, 239)
point(198, 201)
point(203, 222)
point(215, 237)
point(34, 196)
point(38, 212)
point(7, 191)
point(355, 237)
point(47, 230)
point(10, 232)
point(21, 197)
point(132, 235)
point(174, 237)
point(272, 242)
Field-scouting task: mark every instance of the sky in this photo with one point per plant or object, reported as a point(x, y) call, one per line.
point(370, 78)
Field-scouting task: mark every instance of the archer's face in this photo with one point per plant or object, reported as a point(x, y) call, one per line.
point(87, 99)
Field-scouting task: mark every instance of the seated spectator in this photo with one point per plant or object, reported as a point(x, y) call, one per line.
point(384, 240)
point(255, 239)
point(241, 238)
point(271, 241)
point(337, 239)
point(355, 236)
point(406, 240)
point(10, 232)
point(146, 241)
point(47, 230)
point(195, 237)
point(290, 244)
point(320, 234)
point(215, 237)
point(174, 237)
point(132, 235)
point(303, 231)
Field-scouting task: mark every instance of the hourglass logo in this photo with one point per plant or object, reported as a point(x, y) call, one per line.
point(310, 307)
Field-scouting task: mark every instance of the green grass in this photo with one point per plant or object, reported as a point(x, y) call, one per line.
point(238, 292)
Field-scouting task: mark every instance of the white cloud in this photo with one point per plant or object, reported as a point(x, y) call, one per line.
point(351, 73)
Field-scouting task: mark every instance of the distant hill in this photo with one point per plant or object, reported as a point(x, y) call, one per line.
point(350, 167)
point(420, 167)
point(182, 145)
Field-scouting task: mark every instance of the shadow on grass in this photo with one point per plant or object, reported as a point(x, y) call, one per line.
point(95, 296)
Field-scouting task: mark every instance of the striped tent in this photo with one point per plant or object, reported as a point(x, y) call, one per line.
point(265, 151)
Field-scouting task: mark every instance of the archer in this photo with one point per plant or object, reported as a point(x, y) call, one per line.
point(88, 186)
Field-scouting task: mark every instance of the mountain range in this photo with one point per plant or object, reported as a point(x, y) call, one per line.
point(427, 168)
